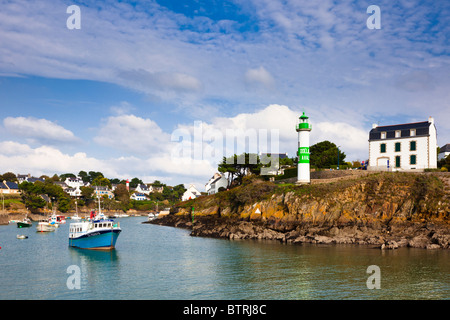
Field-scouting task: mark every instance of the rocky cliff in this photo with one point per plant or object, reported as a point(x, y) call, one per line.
point(388, 210)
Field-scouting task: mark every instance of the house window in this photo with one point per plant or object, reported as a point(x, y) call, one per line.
point(412, 146)
point(397, 161)
point(412, 132)
point(383, 148)
point(383, 135)
point(397, 147)
point(412, 159)
point(398, 133)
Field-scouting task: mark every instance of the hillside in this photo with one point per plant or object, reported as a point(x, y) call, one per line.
point(383, 209)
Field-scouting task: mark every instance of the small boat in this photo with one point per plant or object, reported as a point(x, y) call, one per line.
point(95, 234)
point(22, 236)
point(57, 219)
point(45, 226)
point(25, 223)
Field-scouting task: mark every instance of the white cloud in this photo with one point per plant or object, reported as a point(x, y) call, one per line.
point(132, 134)
point(38, 130)
point(260, 76)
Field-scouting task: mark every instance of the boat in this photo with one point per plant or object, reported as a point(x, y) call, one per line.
point(25, 223)
point(76, 217)
point(45, 226)
point(22, 236)
point(96, 233)
point(57, 220)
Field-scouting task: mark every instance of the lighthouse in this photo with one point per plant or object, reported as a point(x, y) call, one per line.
point(303, 128)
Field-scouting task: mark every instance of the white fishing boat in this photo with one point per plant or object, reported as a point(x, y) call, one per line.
point(22, 236)
point(45, 226)
point(76, 217)
point(57, 220)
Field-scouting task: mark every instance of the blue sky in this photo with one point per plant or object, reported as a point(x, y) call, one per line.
point(112, 95)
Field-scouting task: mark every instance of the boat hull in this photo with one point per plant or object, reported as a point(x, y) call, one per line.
point(45, 227)
point(97, 240)
point(23, 225)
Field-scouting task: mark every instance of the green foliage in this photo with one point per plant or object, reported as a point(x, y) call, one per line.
point(238, 166)
point(325, 154)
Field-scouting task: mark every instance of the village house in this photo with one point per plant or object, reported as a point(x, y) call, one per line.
point(403, 147)
point(444, 152)
point(217, 181)
point(101, 191)
point(138, 196)
point(74, 182)
point(190, 193)
point(7, 187)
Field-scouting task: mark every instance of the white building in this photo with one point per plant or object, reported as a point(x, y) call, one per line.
point(444, 152)
point(190, 193)
point(74, 182)
point(400, 147)
point(138, 196)
point(217, 181)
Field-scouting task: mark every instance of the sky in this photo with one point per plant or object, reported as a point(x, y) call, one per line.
point(162, 90)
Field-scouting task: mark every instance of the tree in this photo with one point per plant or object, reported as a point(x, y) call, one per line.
point(122, 194)
point(64, 176)
point(134, 182)
point(87, 193)
point(239, 166)
point(9, 176)
point(101, 181)
point(325, 154)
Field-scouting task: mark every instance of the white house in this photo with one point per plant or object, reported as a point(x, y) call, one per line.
point(217, 181)
point(142, 188)
point(444, 152)
point(400, 147)
point(74, 182)
point(138, 196)
point(74, 192)
point(190, 193)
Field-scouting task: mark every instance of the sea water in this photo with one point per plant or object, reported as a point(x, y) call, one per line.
point(158, 262)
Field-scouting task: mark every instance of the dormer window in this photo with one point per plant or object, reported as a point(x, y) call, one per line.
point(412, 132)
point(383, 135)
point(398, 133)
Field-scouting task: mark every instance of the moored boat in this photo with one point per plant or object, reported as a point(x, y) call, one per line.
point(96, 233)
point(25, 223)
point(45, 226)
point(99, 234)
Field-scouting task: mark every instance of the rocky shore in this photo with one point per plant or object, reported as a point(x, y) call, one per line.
point(415, 235)
point(386, 211)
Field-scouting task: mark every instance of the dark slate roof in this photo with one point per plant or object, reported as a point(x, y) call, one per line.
point(12, 185)
point(445, 148)
point(422, 129)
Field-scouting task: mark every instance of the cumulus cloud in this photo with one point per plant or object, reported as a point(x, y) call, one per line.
point(38, 130)
point(132, 134)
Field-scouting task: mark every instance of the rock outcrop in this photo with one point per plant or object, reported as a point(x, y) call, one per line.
point(387, 210)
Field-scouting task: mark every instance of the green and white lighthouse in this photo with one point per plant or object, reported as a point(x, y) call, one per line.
point(303, 171)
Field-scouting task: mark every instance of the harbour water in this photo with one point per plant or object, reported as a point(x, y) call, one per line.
point(157, 262)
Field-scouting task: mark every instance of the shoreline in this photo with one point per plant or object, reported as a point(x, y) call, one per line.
point(429, 236)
